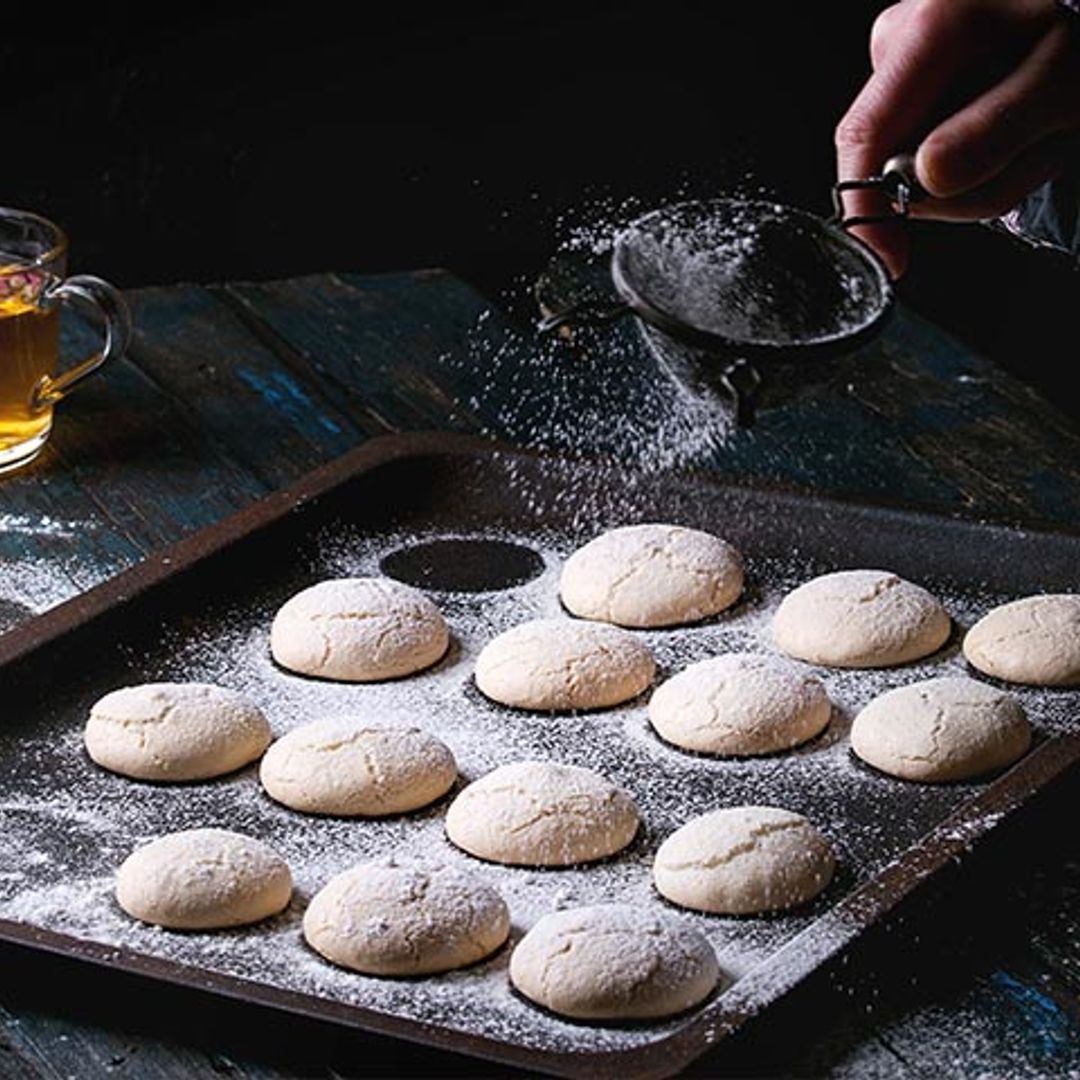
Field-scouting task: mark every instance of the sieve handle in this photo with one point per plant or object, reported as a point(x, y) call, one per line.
point(741, 381)
point(897, 180)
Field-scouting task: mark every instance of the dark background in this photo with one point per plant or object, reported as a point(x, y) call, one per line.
point(190, 143)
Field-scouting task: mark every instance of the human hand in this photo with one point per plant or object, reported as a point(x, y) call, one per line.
point(987, 92)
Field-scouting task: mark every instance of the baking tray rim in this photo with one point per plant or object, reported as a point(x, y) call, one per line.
point(380, 450)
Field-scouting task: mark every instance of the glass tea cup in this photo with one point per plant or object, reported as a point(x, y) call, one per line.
point(33, 287)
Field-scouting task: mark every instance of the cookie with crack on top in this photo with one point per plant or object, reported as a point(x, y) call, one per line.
point(542, 813)
point(352, 768)
point(175, 731)
point(652, 575)
point(949, 728)
point(744, 860)
point(860, 619)
point(612, 962)
point(406, 919)
point(558, 665)
point(740, 704)
point(358, 630)
point(1034, 640)
point(203, 879)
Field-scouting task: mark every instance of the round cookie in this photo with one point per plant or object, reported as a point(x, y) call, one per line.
point(358, 630)
point(541, 813)
point(348, 768)
point(743, 860)
point(174, 731)
point(949, 728)
point(860, 619)
point(562, 664)
point(1035, 640)
point(203, 879)
point(382, 918)
point(652, 575)
point(614, 962)
point(739, 703)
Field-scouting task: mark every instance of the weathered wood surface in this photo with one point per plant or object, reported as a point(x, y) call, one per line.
point(230, 392)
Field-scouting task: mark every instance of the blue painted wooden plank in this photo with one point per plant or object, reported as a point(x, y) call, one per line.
point(234, 390)
point(128, 449)
point(375, 343)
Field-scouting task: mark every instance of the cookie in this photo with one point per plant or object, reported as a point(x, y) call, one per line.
point(203, 879)
point(739, 704)
point(744, 860)
point(1035, 640)
point(391, 919)
point(562, 664)
point(358, 630)
point(175, 731)
point(541, 813)
point(949, 728)
point(610, 962)
point(652, 575)
point(860, 619)
point(349, 768)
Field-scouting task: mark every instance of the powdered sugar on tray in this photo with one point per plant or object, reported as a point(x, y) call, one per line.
point(30, 586)
point(68, 824)
point(38, 526)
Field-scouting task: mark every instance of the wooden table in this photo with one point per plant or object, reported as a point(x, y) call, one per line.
point(230, 392)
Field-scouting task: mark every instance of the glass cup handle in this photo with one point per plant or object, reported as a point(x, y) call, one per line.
point(98, 294)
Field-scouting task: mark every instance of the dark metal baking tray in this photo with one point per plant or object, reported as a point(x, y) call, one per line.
point(68, 824)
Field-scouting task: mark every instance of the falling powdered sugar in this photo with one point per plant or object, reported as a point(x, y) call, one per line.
point(605, 391)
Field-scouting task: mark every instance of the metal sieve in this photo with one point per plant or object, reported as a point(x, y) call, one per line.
point(728, 288)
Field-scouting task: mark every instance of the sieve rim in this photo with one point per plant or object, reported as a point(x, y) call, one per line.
point(710, 340)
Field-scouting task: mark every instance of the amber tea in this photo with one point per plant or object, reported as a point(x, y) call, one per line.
point(33, 288)
point(29, 344)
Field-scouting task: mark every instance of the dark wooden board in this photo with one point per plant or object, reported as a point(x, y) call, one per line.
point(435, 478)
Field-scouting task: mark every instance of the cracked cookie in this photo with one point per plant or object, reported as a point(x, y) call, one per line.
point(744, 860)
point(203, 879)
point(358, 630)
point(559, 665)
point(542, 813)
point(386, 918)
point(860, 619)
point(614, 962)
point(352, 768)
point(173, 732)
point(739, 704)
point(652, 575)
point(949, 728)
point(1035, 640)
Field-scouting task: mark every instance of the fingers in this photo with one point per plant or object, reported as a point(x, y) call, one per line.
point(889, 242)
point(1006, 74)
point(976, 145)
point(884, 30)
point(917, 49)
point(923, 50)
point(1030, 169)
